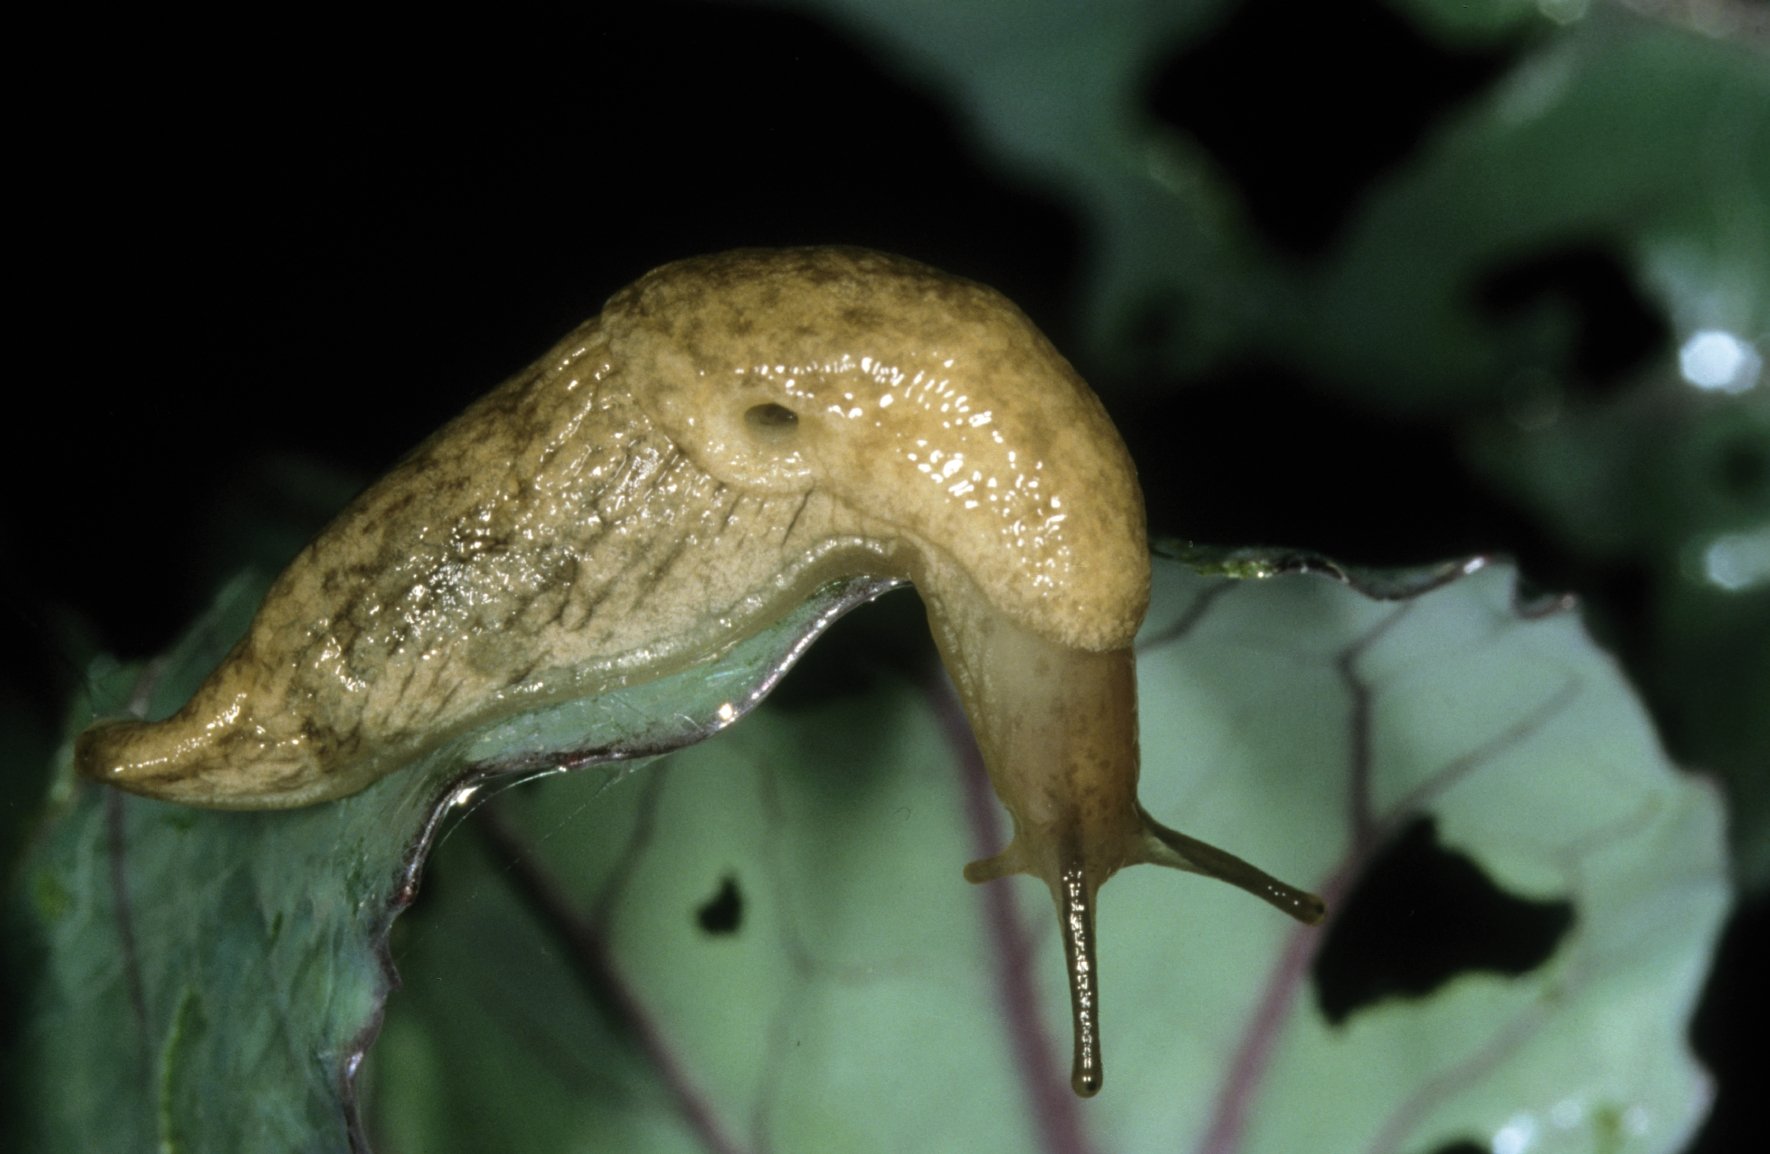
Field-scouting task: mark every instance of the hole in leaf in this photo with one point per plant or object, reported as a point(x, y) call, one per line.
point(1421, 916)
point(1304, 105)
point(723, 913)
point(1575, 308)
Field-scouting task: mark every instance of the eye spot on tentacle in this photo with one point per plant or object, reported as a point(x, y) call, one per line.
point(771, 424)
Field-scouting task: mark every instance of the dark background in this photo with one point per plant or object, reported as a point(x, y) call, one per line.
point(259, 263)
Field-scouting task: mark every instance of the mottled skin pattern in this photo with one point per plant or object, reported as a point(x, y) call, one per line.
point(731, 433)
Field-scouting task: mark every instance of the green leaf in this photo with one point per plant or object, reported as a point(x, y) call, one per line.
point(868, 1000)
point(212, 979)
point(1576, 146)
point(763, 941)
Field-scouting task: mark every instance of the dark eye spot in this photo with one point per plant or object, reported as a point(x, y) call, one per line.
point(771, 424)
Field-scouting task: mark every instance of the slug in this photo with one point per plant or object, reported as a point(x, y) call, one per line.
point(731, 433)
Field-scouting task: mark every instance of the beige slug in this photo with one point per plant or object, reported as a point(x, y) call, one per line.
point(732, 432)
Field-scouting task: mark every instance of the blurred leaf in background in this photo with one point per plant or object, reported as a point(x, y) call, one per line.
point(1542, 230)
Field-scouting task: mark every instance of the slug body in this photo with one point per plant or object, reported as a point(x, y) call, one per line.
point(732, 432)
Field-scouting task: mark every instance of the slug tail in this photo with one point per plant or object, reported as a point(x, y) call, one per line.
point(130, 754)
point(196, 757)
point(1169, 847)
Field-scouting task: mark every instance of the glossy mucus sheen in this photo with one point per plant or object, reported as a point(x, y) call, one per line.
point(733, 432)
